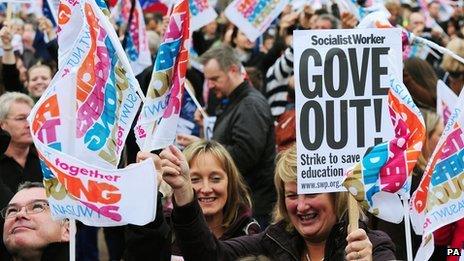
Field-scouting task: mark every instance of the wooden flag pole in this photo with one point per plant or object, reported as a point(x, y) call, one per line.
point(353, 213)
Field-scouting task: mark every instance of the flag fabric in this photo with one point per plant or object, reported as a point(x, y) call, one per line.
point(160, 113)
point(80, 124)
point(438, 200)
point(384, 171)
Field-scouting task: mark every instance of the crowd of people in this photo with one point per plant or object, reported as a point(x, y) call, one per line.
point(234, 197)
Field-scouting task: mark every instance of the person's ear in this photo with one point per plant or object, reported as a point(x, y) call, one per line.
point(64, 230)
point(234, 69)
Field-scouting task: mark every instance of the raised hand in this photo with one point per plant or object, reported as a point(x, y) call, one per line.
point(176, 173)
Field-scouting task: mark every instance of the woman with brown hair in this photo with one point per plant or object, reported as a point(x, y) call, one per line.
point(221, 193)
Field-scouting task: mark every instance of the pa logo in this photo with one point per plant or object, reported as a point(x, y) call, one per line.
point(453, 252)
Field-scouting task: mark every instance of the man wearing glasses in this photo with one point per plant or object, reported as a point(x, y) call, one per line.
point(29, 232)
point(20, 162)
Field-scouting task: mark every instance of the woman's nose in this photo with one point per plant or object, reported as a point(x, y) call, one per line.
point(302, 203)
point(206, 188)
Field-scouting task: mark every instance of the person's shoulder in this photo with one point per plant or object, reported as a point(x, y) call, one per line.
point(58, 251)
point(254, 97)
point(383, 247)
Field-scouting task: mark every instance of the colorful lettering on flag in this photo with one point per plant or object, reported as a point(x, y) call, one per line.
point(438, 200)
point(255, 16)
point(79, 127)
point(161, 110)
point(385, 169)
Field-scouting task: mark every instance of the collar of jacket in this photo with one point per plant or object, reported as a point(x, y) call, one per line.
point(237, 93)
point(293, 243)
point(56, 251)
point(243, 225)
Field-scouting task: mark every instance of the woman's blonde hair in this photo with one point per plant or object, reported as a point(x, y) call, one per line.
point(285, 172)
point(450, 64)
point(237, 191)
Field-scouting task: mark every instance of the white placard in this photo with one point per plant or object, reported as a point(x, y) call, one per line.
point(341, 100)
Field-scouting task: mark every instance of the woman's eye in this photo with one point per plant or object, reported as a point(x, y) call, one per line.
point(216, 179)
point(292, 196)
point(194, 180)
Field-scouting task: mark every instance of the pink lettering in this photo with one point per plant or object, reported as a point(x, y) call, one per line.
point(48, 129)
point(452, 144)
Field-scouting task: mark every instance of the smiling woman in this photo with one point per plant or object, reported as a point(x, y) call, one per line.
point(221, 194)
point(305, 227)
point(219, 187)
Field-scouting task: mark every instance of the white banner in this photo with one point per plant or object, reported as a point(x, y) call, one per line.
point(342, 79)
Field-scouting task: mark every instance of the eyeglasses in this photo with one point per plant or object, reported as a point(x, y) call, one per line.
point(33, 207)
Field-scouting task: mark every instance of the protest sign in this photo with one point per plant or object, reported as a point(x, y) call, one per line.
point(446, 101)
point(254, 17)
point(438, 200)
point(160, 113)
point(202, 14)
point(341, 100)
point(79, 127)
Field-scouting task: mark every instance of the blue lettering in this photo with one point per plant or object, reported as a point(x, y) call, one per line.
point(167, 53)
point(373, 161)
point(448, 168)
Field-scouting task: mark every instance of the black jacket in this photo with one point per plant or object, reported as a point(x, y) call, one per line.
point(154, 241)
point(246, 129)
point(198, 243)
point(58, 251)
